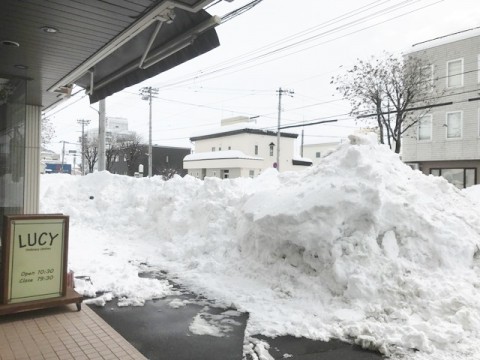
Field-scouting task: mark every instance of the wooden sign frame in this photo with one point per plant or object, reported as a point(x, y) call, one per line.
point(34, 263)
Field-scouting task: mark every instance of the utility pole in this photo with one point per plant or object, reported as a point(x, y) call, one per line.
point(63, 153)
point(63, 150)
point(280, 92)
point(301, 147)
point(147, 93)
point(83, 122)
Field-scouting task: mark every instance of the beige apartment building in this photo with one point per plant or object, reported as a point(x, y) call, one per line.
point(446, 140)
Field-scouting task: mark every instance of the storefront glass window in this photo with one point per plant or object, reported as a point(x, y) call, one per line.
point(12, 146)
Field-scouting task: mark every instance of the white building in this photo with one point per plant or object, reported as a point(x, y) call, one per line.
point(241, 150)
point(446, 141)
point(115, 127)
point(317, 151)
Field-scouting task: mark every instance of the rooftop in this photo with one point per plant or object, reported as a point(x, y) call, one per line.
point(445, 39)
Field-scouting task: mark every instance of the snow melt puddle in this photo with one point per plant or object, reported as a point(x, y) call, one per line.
point(204, 323)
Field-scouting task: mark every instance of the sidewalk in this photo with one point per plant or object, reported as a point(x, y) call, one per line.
point(61, 333)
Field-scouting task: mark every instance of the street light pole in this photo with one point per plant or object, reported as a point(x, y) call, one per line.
point(147, 94)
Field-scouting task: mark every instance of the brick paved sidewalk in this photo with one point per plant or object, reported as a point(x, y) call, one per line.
point(61, 334)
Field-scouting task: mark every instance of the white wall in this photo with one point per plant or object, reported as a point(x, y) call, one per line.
point(312, 150)
point(246, 143)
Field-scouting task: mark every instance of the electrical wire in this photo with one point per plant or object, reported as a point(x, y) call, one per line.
point(205, 72)
point(233, 14)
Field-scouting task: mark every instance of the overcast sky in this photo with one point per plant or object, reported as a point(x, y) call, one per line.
point(293, 44)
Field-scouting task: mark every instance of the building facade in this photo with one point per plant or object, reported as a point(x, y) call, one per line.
point(241, 151)
point(166, 161)
point(315, 152)
point(446, 140)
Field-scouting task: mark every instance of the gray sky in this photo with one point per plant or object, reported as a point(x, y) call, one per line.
point(293, 44)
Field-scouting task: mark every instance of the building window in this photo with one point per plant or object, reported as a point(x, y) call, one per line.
point(455, 73)
point(166, 158)
point(317, 154)
point(251, 173)
point(213, 148)
point(256, 149)
point(461, 177)
point(425, 128)
point(219, 148)
point(454, 125)
point(229, 148)
point(226, 174)
point(214, 173)
point(272, 145)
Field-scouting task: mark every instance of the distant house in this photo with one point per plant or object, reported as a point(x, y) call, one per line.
point(316, 151)
point(446, 141)
point(48, 156)
point(166, 161)
point(240, 149)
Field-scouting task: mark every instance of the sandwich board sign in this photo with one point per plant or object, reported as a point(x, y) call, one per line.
point(34, 263)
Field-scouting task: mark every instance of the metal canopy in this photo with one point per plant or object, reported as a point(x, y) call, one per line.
point(107, 44)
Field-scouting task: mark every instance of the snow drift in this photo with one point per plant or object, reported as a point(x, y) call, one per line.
point(360, 247)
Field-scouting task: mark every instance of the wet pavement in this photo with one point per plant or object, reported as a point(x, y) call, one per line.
point(188, 327)
point(292, 348)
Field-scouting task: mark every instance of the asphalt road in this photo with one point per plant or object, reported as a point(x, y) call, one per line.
point(162, 332)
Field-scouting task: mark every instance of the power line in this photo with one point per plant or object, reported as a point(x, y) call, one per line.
point(233, 14)
point(418, 108)
point(206, 73)
point(309, 124)
point(345, 16)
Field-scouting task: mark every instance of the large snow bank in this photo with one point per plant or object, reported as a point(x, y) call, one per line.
point(360, 248)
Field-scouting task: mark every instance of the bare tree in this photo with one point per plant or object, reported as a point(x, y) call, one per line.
point(132, 147)
point(389, 89)
point(112, 152)
point(91, 152)
point(47, 131)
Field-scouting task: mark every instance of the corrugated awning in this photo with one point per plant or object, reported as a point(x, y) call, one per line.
point(158, 48)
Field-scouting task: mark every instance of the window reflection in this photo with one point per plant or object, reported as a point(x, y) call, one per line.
point(12, 146)
point(461, 177)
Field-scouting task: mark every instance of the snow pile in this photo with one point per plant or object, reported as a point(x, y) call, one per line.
point(360, 248)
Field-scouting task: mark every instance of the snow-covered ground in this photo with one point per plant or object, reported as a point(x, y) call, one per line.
point(360, 248)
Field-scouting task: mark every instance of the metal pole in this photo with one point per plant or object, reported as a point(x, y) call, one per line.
point(101, 135)
point(83, 148)
point(278, 126)
point(150, 137)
